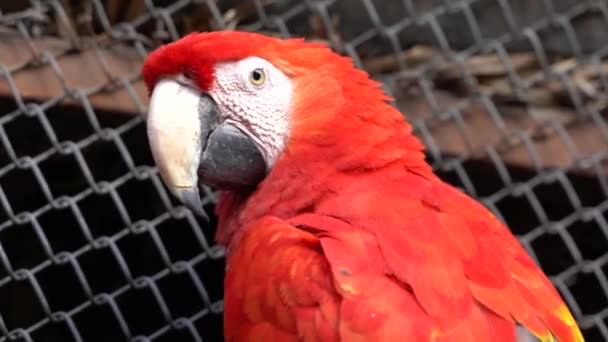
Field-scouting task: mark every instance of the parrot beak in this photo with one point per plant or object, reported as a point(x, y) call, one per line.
point(192, 147)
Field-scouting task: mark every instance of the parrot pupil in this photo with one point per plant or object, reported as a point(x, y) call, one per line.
point(257, 75)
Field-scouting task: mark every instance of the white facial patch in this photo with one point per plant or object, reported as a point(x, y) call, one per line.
point(259, 109)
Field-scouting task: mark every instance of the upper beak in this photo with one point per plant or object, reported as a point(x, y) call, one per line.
point(192, 147)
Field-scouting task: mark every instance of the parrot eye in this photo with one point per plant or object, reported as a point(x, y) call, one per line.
point(257, 77)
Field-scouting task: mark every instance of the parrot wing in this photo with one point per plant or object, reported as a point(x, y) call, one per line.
point(470, 276)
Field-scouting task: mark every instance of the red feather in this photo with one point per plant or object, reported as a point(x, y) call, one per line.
point(351, 236)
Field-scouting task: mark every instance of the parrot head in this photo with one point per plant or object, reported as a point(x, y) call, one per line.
point(227, 106)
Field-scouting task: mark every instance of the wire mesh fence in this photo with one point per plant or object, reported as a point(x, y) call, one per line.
point(508, 96)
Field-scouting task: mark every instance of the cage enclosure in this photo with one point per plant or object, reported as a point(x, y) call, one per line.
point(509, 98)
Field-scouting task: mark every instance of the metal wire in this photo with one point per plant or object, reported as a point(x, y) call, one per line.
point(509, 98)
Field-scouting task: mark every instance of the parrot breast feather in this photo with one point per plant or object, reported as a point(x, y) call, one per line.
point(278, 287)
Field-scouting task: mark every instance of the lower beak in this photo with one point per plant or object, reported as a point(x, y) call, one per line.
point(192, 147)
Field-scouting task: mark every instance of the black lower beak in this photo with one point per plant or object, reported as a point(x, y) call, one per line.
point(231, 160)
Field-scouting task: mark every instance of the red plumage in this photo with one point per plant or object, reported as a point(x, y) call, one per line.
point(351, 235)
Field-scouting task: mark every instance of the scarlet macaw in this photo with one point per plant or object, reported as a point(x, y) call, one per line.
point(335, 227)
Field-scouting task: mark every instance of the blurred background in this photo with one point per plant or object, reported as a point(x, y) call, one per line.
point(509, 96)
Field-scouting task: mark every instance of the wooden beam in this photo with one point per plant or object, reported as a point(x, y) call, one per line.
point(101, 71)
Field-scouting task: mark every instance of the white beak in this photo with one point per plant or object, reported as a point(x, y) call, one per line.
point(174, 133)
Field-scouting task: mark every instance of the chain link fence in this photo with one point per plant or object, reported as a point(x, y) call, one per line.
point(509, 97)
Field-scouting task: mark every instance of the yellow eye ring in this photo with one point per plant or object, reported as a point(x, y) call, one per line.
point(257, 77)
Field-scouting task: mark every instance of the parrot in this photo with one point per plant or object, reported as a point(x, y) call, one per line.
point(335, 226)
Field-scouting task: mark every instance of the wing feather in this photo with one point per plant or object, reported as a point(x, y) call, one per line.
point(457, 259)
